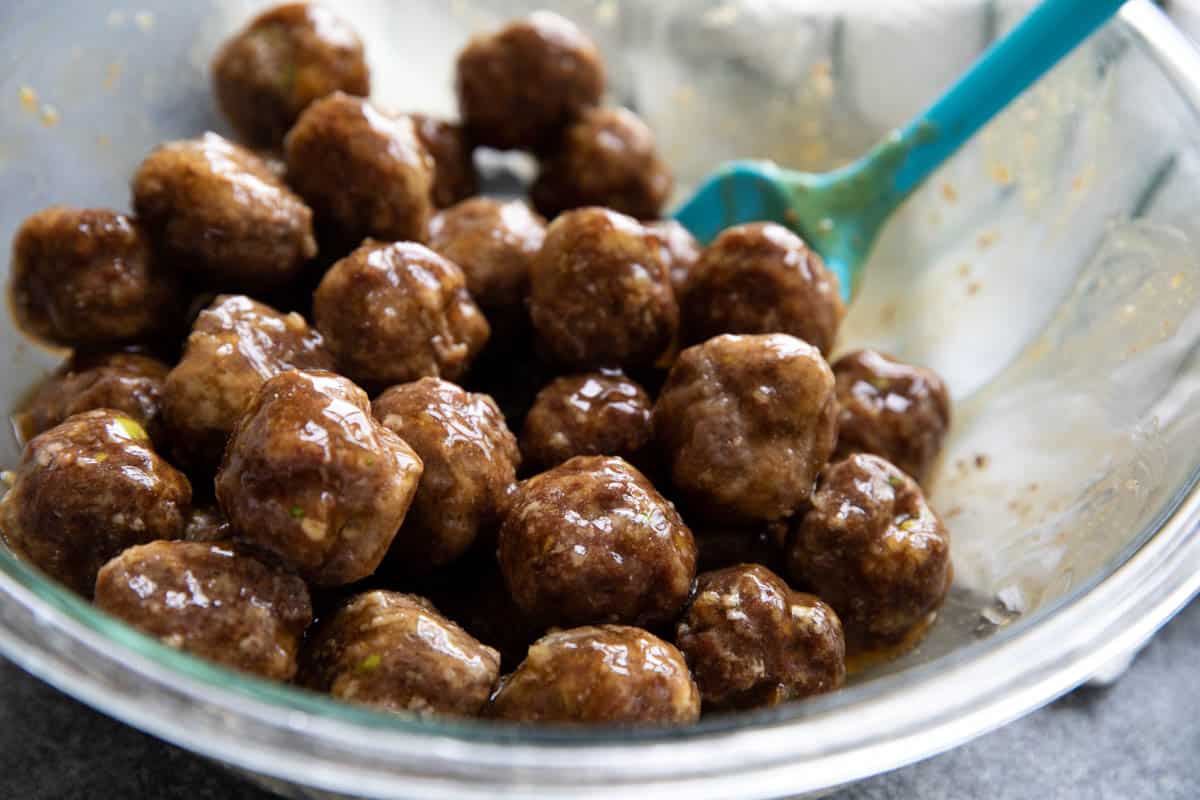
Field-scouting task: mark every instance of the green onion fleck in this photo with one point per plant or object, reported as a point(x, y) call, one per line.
point(370, 663)
point(296, 511)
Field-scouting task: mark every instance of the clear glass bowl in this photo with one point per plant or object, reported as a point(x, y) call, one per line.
point(1050, 272)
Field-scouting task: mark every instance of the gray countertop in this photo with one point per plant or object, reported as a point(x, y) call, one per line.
point(1139, 738)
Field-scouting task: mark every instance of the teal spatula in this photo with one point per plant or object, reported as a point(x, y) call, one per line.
point(840, 213)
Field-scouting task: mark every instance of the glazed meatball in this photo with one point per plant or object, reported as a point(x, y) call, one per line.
point(891, 409)
point(751, 641)
point(393, 313)
point(365, 173)
point(762, 278)
point(86, 277)
point(86, 490)
point(218, 210)
point(454, 175)
point(495, 243)
point(210, 600)
point(678, 250)
point(520, 86)
point(396, 652)
point(595, 414)
point(874, 550)
point(127, 382)
point(746, 423)
point(607, 158)
point(236, 344)
point(312, 478)
point(206, 524)
point(600, 295)
point(592, 541)
point(599, 674)
point(286, 58)
point(470, 460)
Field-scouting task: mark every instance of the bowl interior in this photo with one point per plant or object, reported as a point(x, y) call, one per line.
point(1049, 272)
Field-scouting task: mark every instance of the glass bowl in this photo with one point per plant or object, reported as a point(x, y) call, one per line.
point(1050, 272)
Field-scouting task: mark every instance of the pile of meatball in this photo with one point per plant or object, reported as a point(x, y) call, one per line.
point(286, 440)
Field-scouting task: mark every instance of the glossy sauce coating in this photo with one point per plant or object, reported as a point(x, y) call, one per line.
point(127, 382)
point(470, 460)
point(88, 277)
point(592, 541)
point(891, 409)
point(312, 478)
point(86, 490)
point(600, 295)
point(678, 250)
point(747, 422)
point(396, 652)
point(454, 175)
point(364, 172)
point(210, 600)
point(286, 58)
point(206, 524)
point(393, 313)
point(520, 86)
point(874, 550)
point(599, 413)
point(494, 241)
point(751, 641)
point(599, 674)
point(218, 210)
point(606, 158)
point(236, 345)
point(762, 278)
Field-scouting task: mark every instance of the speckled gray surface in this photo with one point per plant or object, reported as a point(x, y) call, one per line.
point(1137, 739)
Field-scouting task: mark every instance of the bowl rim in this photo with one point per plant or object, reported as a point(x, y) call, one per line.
point(302, 738)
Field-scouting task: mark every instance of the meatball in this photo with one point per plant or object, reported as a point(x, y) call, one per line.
point(206, 524)
point(210, 600)
point(595, 414)
point(364, 172)
point(86, 490)
point(470, 460)
point(495, 243)
point(592, 541)
point(595, 674)
point(218, 210)
point(454, 175)
point(678, 250)
point(751, 641)
point(312, 478)
point(86, 277)
point(762, 278)
point(396, 652)
point(607, 158)
point(520, 86)
point(600, 295)
point(286, 58)
point(397, 312)
point(874, 550)
point(127, 382)
point(746, 423)
point(891, 409)
point(236, 344)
